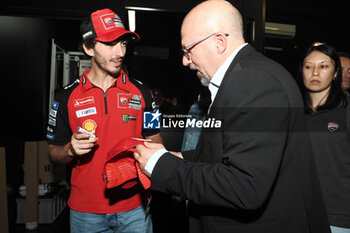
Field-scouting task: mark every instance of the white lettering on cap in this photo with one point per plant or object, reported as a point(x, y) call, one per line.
point(87, 34)
point(118, 22)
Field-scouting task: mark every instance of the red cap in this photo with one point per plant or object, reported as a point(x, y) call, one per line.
point(105, 26)
point(121, 169)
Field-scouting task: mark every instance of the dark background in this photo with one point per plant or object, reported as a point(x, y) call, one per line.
point(26, 31)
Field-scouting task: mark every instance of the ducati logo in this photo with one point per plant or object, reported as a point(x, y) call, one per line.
point(108, 21)
point(332, 126)
point(123, 100)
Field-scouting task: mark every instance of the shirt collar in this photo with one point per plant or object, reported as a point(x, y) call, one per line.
point(122, 81)
point(215, 82)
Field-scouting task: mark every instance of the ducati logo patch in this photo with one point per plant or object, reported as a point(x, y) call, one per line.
point(332, 126)
point(123, 100)
point(129, 101)
point(108, 20)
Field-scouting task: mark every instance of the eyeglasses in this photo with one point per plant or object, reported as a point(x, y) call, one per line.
point(186, 50)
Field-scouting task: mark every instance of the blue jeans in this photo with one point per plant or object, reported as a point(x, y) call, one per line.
point(339, 230)
point(191, 135)
point(132, 221)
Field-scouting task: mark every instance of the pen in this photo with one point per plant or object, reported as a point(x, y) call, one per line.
point(81, 130)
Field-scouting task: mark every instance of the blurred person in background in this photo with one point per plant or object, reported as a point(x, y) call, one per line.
point(345, 63)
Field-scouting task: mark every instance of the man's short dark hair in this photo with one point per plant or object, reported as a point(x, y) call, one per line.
point(88, 43)
point(344, 54)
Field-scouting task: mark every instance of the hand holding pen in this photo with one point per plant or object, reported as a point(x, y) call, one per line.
point(82, 143)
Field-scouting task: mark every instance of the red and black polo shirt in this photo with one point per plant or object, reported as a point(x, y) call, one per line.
point(113, 114)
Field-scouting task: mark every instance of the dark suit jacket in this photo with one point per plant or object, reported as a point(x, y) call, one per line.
point(256, 172)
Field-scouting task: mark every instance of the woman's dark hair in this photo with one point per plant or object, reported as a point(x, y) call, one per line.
point(336, 95)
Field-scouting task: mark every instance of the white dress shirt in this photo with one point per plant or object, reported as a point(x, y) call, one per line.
point(215, 82)
point(214, 85)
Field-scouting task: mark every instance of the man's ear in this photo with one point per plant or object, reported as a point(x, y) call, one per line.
point(221, 43)
point(88, 51)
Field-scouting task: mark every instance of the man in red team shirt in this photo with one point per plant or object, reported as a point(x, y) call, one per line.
point(105, 102)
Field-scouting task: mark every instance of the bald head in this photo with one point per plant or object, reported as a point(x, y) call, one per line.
point(210, 33)
point(214, 16)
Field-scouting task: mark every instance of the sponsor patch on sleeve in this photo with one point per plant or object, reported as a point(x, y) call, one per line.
point(52, 121)
point(50, 136)
point(55, 105)
point(53, 113)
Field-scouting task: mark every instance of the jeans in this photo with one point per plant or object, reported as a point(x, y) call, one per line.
point(132, 221)
point(191, 135)
point(339, 230)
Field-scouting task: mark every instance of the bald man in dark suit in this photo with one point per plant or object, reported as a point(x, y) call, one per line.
point(254, 172)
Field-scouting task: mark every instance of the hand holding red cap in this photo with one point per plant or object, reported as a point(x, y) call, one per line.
point(121, 169)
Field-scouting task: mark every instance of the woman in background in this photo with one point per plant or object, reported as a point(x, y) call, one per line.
point(327, 109)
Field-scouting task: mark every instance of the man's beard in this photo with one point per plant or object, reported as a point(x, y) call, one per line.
point(205, 79)
point(102, 64)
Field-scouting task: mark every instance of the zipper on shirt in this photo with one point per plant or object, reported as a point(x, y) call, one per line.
point(105, 97)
